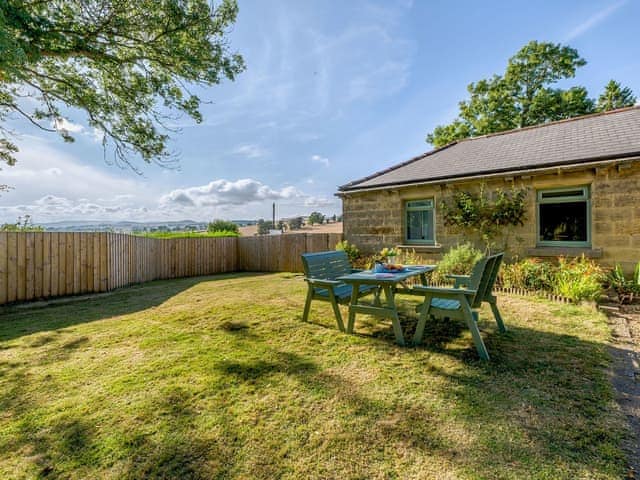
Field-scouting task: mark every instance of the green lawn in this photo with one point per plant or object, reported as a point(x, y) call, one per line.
point(216, 377)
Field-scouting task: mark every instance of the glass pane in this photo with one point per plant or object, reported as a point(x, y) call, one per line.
point(563, 222)
point(420, 204)
point(420, 225)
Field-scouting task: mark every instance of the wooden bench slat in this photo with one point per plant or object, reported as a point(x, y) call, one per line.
point(329, 266)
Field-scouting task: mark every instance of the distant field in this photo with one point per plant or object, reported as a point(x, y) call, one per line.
point(186, 234)
point(251, 230)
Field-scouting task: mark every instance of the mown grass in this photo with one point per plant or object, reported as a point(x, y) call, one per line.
point(188, 234)
point(217, 378)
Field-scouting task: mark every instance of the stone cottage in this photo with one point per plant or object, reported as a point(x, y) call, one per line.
point(582, 178)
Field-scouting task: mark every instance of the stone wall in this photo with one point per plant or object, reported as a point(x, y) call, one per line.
point(375, 219)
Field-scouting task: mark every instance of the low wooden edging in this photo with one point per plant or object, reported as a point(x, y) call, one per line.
point(533, 293)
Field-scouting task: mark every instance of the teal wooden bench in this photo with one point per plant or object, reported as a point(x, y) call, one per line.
point(463, 303)
point(321, 270)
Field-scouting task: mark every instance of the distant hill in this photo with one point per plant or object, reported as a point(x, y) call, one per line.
point(126, 226)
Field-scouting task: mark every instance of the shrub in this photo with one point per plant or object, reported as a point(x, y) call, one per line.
point(626, 289)
point(530, 274)
point(579, 279)
point(264, 226)
point(458, 260)
point(350, 249)
point(22, 225)
point(222, 226)
point(410, 257)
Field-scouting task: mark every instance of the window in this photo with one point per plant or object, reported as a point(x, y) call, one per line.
point(564, 217)
point(420, 221)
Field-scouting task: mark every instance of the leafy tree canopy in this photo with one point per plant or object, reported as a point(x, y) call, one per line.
point(524, 95)
point(129, 65)
point(615, 96)
point(316, 217)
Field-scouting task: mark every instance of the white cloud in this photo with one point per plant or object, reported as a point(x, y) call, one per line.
point(593, 21)
point(318, 159)
point(250, 151)
point(64, 125)
point(224, 192)
point(42, 169)
point(97, 135)
point(317, 202)
point(53, 208)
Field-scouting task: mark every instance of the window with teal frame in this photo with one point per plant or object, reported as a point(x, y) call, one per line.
point(420, 221)
point(564, 217)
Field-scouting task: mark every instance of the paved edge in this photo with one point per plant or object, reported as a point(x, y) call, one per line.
point(625, 378)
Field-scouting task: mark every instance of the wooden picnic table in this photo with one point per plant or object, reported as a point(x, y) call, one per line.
point(389, 284)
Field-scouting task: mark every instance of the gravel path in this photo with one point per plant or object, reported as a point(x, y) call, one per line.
point(625, 349)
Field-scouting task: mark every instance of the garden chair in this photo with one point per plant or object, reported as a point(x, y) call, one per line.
point(463, 303)
point(321, 270)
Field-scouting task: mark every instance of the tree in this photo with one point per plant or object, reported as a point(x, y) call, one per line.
point(223, 226)
point(316, 217)
point(615, 96)
point(264, 227)
point(295, 223)
point(521, 97)
point(129, 66)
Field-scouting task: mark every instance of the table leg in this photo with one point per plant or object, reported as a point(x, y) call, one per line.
point(393, 312)
point(354, 301)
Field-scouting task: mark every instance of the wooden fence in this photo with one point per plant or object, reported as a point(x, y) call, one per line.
point(38, 265)
point(281, 253)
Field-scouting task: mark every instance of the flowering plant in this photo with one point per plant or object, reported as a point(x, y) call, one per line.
point(388, 252)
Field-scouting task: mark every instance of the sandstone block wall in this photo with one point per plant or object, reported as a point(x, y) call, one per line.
point(375, 219)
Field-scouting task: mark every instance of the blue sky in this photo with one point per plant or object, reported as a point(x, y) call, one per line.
point(333, 91)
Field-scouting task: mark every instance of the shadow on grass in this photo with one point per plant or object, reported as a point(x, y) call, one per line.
point(539, 409)
point(121, 302)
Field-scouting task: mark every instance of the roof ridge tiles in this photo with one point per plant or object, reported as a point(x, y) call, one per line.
point(548, 124)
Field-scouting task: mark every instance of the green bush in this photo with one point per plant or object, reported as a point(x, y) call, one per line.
point(530, 274)
point(222, 226)
point(458, 260)
point(350, 249)
point(579, 279)
point(626, 289)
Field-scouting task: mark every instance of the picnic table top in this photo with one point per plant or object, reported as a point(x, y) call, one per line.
point(371, 277)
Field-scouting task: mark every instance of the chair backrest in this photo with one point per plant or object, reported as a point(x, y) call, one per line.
point(483, 277)
point(326, 265)
point(493, 274)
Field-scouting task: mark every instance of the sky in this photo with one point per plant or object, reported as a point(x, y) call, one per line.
point(333, 91)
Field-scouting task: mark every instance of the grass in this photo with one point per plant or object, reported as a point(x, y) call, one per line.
point(217, 378)
point(188, 234)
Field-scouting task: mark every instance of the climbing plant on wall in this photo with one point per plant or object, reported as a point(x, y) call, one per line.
point(487, 215)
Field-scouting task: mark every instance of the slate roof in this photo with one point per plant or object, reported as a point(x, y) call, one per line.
point(603, 136)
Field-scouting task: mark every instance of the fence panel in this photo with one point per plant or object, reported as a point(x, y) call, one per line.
point(280, 253)
point(37, 265)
